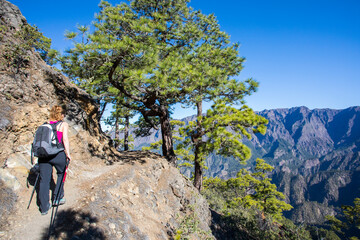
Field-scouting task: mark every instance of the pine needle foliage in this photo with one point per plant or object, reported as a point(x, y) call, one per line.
point(250, 207)
point(157, 54)
point(28, 38)
point(347, 225)
point(220, 131)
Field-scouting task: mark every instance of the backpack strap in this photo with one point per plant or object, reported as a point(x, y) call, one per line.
point(54, 126)
point(59, 123)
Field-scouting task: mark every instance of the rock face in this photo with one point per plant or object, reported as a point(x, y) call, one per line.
point(11, 16)
point(111, 195)
point(143, 200)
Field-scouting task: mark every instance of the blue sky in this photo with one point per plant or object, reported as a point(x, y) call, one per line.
point(303, 53)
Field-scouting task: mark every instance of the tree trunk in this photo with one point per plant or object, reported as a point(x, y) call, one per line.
point(102, 109)
point(198, 173)
point(198, 179)
point(117, 132)
point(166, 133)
point(126, 133)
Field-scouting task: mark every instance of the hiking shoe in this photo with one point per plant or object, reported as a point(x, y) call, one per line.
point(59, 202)
point(46, 211)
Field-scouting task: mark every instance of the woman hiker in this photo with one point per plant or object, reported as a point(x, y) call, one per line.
point(59, 161)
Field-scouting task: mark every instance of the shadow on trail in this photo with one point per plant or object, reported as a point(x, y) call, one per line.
point(71, 224)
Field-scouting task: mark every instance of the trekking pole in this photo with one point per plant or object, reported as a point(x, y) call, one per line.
point(32, 194)
point(57, 200)
point(34, 169)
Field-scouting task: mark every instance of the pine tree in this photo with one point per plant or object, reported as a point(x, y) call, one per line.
point(265, 195)
point(120, 116)
point(150, 51)
point(251, 190)
point(221, 131)
point(213, 70)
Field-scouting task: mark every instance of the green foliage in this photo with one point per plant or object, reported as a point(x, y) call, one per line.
point(221, 131)
point(250, 190)
point(3, 30)
point(251, 206)
point(351, 222)
point(157, 53)
point(53, 57)
point(244, 223)
point(321, 233)
point(153, 146)
point(28, 37)
point(225, 126)
point(265, 196)
point(189, 227)
point(140, 48)
point(33, 38)
point(120, 143)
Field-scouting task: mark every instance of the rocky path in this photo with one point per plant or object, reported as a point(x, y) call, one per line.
point(141, 196)
point(29, 224)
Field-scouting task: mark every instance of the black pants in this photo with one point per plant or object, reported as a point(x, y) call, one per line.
point(46, 166)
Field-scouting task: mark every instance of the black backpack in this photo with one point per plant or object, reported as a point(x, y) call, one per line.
point(46, 143)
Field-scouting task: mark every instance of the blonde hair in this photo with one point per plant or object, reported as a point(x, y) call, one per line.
point(57, 113)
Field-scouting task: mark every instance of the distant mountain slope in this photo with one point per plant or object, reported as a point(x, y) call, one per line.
point(316, 155)
point(303, 134)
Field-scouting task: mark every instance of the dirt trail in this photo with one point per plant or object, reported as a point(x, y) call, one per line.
point(29, 224)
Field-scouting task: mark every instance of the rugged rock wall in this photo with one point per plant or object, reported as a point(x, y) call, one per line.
point(147, 199)
point(114, 194)
point(25, 98)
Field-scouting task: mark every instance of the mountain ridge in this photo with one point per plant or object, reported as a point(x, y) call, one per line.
point(316, 158)
point(311, 150)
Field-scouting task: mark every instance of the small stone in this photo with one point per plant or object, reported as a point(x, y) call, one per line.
point(92, 198)
point(93, 225)
point(63, 235)
point(112, 226)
